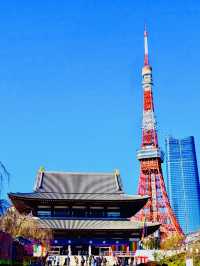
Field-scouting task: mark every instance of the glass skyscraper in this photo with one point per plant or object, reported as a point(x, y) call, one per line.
point(183, 182)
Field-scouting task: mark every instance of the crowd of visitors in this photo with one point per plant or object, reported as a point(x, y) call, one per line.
point(91, 261)
point(80, 261)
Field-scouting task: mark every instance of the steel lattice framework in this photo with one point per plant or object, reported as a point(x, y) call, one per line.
point(151, 181)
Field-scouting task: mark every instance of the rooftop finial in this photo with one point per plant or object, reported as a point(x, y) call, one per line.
point(117, 172)
point(146, 55)
point(41, 169)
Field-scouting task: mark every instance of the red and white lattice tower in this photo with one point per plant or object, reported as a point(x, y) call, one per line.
point(151, 180)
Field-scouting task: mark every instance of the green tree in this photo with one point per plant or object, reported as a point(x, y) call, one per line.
point(173, 242)
point(150, 243)
point(176, 260)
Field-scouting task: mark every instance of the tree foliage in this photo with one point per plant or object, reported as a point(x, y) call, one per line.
point(25, 226)
point(172, 242)
point(180, 251)
point(150, 243)
point(180, 259)
point(177, 260)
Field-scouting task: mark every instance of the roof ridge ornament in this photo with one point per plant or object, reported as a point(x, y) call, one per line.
point(118, 179)
point(39, 178)
point(116, 172)
point(42, 169)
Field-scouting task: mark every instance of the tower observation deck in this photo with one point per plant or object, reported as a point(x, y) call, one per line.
point(151, 181)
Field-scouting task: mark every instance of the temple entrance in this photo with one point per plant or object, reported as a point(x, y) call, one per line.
point(99, 251)
point(95, 250)
point(80, 250)
point(104, 251)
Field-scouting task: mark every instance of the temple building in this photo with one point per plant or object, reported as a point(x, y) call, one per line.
point(89, 213)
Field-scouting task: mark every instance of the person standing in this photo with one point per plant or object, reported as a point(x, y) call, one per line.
point(104, 261)
point(93, 261)
point(76, 260)
point(82, 261)
point(67, 261)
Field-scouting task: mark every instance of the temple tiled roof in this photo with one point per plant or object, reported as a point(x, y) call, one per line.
point(78, 196)
point(83, 224)
point(91, 183)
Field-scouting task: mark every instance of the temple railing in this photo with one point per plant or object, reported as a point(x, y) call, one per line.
point(123, 253)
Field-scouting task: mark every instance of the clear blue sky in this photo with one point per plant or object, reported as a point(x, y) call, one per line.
point(70, 83)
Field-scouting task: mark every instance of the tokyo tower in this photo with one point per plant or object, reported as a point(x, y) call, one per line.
point(151, 181)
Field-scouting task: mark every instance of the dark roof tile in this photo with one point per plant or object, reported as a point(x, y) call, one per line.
point(61, 182)
point(96, 224)
point(78, 196)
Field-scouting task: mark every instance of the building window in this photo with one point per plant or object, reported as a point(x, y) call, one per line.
point(44, 211)
point(113, 214)
point(61, 211)
point(78, 211)
point(96, 212)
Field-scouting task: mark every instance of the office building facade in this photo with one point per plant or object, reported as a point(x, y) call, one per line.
point(183, 182)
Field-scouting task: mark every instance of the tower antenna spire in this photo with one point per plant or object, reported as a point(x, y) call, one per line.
point(146, 54)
